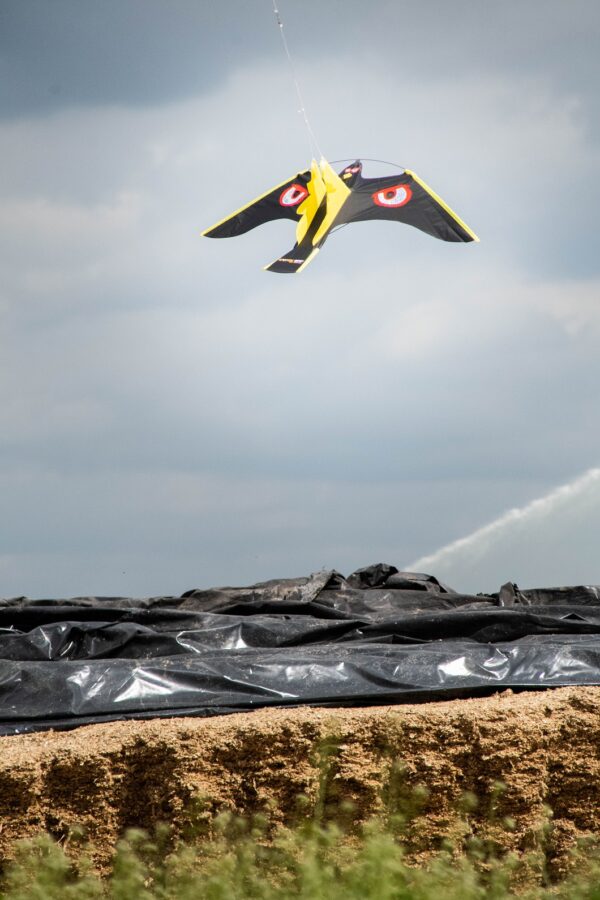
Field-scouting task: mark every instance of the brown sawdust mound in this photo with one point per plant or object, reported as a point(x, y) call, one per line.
point(106, 778)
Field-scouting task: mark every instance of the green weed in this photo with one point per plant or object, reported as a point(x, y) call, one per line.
point(311, 861)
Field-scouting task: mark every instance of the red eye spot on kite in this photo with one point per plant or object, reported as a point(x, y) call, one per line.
point(394, 196)
point(293, 195)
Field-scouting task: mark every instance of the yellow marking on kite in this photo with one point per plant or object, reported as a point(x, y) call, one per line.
point(337, 194)
point(309, 206)
point(205, 233)
point(444, 205)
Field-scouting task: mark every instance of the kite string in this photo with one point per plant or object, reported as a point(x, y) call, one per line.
point(312, 140)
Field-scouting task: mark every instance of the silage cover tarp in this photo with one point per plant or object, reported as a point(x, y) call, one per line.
point(376, 637)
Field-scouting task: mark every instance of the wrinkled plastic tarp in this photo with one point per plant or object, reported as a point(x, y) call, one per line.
point(379, 636)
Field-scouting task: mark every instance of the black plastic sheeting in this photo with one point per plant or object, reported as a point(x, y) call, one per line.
point(379, 636)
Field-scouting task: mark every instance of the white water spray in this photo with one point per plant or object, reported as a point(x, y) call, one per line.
point(468, 551)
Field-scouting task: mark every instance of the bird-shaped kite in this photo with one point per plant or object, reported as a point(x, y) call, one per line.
point(319, 200)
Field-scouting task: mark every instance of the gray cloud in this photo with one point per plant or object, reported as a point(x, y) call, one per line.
point(69, 52)
point(84, 52)
point(147, 533)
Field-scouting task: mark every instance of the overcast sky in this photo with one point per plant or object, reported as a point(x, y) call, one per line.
point(171, 416)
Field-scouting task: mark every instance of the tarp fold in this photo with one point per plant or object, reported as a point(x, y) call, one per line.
point(378, 636)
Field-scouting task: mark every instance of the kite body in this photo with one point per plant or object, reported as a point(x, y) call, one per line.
point(319, 200)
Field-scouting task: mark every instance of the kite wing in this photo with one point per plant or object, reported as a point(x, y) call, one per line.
point(280, 202)
point(403, 198)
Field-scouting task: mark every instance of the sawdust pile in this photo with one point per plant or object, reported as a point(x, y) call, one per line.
point(105, 778)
